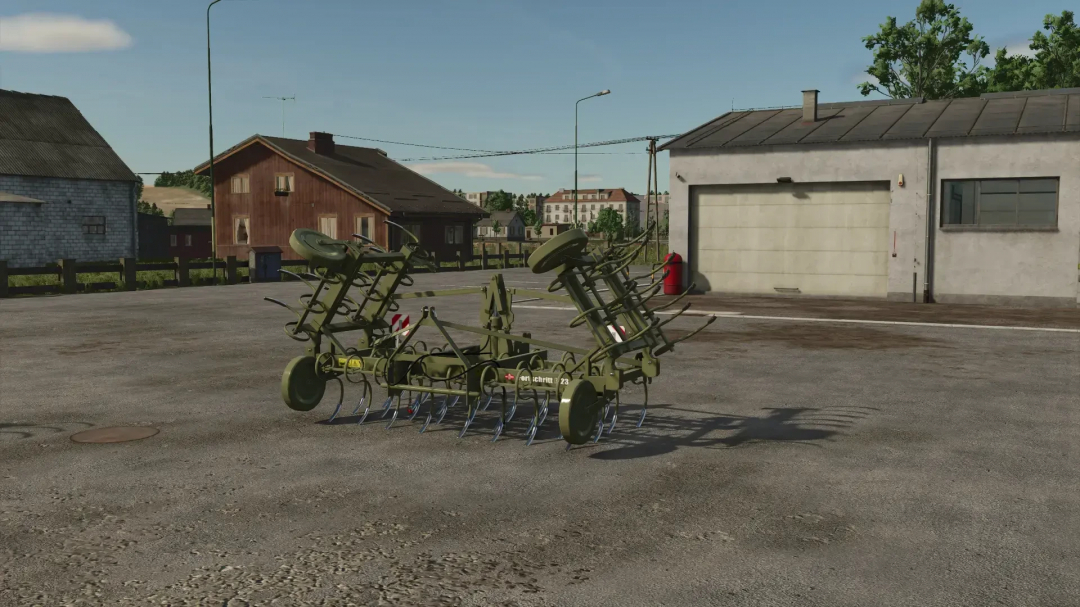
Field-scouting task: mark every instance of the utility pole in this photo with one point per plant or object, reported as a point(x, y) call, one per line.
point(283, 100)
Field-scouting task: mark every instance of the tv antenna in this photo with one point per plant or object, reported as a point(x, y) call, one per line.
point(283, 100)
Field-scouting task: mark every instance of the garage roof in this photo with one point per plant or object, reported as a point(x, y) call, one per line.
point(1017, 113)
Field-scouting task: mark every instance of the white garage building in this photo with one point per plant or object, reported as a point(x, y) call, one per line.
point(852, 200)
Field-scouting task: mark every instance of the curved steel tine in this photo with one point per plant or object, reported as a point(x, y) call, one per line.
point(469, 420)
point(363, 399)
point(513, 410)
point(370, 243)
point(488, 403)
point(645, 404)
point(387, 404)
point(341, 399)
point(393, 418)
point(530, 435)
point(442, 413)
point(427, 421)
point(544, 408)
point(419, 402)
point(599, 430)
point(498, 431)
point(301, 279)
point(282, 304)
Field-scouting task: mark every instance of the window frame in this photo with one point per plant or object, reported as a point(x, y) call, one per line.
point(245, 183)
point(332, 216)
point(247, 227)
point(996, 227)
point(371, 224)
point(91, 228)
point(187, 240)
point(454, 234)
point(290, 181)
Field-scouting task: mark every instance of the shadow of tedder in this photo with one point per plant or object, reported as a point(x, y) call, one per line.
point(669, 428)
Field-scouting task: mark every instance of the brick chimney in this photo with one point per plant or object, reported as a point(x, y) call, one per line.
point(321, 143)
point(809, 105)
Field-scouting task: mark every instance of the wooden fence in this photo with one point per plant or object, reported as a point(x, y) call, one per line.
point(67, 272)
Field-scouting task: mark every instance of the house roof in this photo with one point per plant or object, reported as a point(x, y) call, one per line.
point(369, 174)
point(504, 218)
point(191, 217)
point(614, 195)
point(47, 136)
point(1018, 113)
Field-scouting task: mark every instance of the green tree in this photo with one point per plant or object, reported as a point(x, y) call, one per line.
point(496, 227)
point(1056, 63)
point(631, 227)
point(609, 223)
point(184, 179)
point(499, 201)
point(935, 56)
point(664, 225)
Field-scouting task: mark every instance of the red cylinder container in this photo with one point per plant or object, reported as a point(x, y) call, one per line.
point(673, 281)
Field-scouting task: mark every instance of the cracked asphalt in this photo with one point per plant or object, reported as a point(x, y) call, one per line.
point(781, 463)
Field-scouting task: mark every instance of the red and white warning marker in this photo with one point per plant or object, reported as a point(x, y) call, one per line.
point(619, 334)
point(398, 322)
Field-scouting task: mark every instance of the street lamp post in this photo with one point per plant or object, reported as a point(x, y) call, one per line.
point(603, 92)
point(210, 108)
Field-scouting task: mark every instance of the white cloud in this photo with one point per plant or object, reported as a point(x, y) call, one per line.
point(468, 169)
point(590, 178)
point(1020, 48)
point(51, 33)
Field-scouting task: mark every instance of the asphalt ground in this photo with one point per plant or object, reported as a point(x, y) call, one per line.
point(782, 463)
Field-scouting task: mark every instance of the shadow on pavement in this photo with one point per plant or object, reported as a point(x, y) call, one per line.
point(21, 431)
point(666, 430)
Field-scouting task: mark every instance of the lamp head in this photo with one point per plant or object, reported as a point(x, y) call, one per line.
point(603, 92)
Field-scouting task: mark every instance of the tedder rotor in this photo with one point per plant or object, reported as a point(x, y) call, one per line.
point(354, 286)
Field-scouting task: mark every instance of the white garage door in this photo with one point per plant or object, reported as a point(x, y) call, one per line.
point(821, 239)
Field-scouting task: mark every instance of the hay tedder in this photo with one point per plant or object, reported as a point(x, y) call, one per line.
point(354, 287)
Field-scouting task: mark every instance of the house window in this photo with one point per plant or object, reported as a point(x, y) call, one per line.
point(364, 224)
point(93, 224)
point(187, 240)
point(283, 182)
point(241, 232)
point(241, 184)
point(1000, 202)
point(328, 225)
point(455, 234)
point(172, 240)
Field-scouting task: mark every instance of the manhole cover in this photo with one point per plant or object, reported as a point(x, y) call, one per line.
point(114, 435)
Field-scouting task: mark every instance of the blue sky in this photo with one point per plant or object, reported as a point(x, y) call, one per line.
point(470, 73)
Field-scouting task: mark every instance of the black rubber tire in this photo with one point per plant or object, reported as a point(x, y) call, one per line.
point(558, 251)
point(302, 387)
point(579, 412)
point(317, 248)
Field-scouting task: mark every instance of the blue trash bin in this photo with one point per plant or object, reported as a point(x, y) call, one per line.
point(264, 263)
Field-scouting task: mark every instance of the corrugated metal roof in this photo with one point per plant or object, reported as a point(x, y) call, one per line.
point(47, 136)
point(191, 217)
point(1022, 112)
point(368, 173)
point(503, 217)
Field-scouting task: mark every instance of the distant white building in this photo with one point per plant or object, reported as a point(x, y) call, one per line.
point(559, 207)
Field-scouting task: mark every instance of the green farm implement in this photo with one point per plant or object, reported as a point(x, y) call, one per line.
point(355, 287)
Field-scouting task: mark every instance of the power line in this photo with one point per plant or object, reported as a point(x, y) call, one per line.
point(545, 150)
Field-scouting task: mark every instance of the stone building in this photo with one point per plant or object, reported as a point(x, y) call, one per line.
point(64, 193)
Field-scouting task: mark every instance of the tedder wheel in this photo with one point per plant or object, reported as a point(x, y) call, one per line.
point(558, 251)
point(316, 247)
point(302, 387)
point(579, 412)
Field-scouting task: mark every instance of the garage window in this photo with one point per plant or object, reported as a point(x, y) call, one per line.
point(1000, 202)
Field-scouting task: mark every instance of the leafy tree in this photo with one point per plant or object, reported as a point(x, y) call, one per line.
point(632, 228)
point(926, 57)
point(184, 179)
point(664, 225)
point(609, 223)
point(149, 209)
point(1056, 63)
point(499, 201)
point(496, 227)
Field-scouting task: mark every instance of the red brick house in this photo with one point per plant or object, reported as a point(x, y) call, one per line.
point(266, 187)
